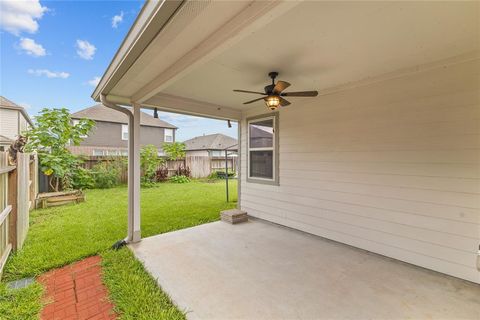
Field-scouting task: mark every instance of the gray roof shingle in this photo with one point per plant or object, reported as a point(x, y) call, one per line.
point(99, 112)
point(215, 141)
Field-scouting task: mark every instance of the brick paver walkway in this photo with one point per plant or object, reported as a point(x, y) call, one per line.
point(76, 292)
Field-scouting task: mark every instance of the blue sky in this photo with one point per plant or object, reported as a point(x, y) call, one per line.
point(53, 52)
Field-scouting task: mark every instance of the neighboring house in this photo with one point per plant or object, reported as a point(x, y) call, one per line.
point(384, 159)
point(110, 134)
point(211, 145)
point(13, 121)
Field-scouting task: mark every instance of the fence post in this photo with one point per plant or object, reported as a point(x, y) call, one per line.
point(12, 200)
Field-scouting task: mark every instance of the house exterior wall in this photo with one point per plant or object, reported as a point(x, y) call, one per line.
point(109, 134)
point(390, 167)
point(9, 123)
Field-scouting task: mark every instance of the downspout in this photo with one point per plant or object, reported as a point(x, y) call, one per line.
point(117, 245)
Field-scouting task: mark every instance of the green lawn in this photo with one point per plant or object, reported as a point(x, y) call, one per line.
point(62, 235)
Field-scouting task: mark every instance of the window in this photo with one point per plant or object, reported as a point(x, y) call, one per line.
point(262, 148)
point(217, 153)
point(124, 131)
point(168, 135)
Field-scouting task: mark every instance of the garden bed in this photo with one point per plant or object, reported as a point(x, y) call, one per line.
point(52, 199)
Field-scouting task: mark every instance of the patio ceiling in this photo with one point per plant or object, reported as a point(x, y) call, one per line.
point(209, 48)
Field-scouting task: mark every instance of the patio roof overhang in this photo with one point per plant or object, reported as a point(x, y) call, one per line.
point(187, 56)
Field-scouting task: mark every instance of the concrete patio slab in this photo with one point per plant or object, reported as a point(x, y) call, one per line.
point(258, 270)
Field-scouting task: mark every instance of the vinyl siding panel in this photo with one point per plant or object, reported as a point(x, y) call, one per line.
point(23, 123)
point(109, 134)
point(391, 167)
point(9, 123)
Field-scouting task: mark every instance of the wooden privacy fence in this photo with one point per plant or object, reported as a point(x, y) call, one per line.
point(18, 190)
point(200, 166)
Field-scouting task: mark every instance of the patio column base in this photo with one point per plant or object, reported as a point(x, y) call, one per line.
point(136, 236)
point(234, 216)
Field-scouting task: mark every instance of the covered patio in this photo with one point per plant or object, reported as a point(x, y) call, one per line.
point(260, 270)
point(384, 159)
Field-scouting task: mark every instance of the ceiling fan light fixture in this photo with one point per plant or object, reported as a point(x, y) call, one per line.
point(272, 102)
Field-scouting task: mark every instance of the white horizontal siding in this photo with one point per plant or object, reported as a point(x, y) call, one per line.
point(392, 167)
point(9, 123)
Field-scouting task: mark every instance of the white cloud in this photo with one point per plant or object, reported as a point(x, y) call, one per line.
point(49, 74)
point(19, 16)
point(94, 82)
point(32, 48)
point(85, 49)
point(117, 19)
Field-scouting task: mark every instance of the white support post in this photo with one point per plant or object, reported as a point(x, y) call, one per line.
point(134, 176)
point(239, 164)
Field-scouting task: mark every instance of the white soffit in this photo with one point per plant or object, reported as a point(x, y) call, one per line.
point(191, 24)
point(320, 45)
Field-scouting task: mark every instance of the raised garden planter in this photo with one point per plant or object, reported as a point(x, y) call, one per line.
point(52, 199)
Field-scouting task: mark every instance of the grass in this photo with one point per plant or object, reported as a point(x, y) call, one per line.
point(62, 235)
point(135, 292)
point(21, 304)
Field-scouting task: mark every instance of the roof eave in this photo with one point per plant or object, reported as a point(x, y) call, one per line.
point(153, 16)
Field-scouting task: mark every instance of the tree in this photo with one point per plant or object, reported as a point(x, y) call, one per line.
point(53, 133)
point(174, 150)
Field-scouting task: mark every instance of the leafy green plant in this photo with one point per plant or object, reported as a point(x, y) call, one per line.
point(83, 179)
point(105, 175)
point(220, 174)
point(213, 176)
point(183, 171)
point(180, 179)
point(149, 161)
point(174, 150)
point(53, 133)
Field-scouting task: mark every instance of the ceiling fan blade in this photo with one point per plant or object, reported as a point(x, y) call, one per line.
point(251, 101)
point(283, 102)
point(246, 91)
point(300, 94)
point(280, 86)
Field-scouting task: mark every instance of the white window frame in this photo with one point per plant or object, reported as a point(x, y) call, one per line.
point(124, 131)
point(274, 148)
point(165, 135)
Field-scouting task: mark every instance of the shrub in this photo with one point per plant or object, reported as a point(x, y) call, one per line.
point(183, 171)
point(83, 179)
point(213, 175)
point(105, 175)
point(179, 179)
point(149, 162)
point(221, 174)
point(162, 174)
